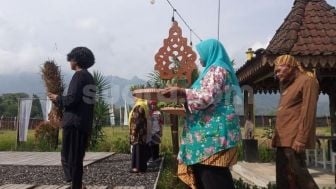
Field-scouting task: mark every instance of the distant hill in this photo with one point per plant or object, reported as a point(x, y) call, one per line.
point(24, 82)
point(31, 83)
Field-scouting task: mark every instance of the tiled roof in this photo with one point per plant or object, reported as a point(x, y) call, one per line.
point(309, 29)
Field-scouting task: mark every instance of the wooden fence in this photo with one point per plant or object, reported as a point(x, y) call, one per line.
point(266, 121)
point(10, 123)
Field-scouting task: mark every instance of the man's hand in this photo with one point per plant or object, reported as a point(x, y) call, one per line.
point(298, 147)
point(52, 96)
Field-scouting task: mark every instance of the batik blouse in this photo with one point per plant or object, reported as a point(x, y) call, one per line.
point(138, 126)
point(211, 122)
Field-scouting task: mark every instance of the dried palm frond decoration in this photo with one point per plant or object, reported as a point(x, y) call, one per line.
point(53, 80)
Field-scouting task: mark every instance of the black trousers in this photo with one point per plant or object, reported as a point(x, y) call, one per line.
point(140, 154)
point(155, 151)
point(212, 177)
point(74, 143)
point(291, 170)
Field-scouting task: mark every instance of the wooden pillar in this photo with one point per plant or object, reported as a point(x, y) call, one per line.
point(249, 106)
point(250, 145)
point(245, 106)
point(332, 106)
point(174, 133)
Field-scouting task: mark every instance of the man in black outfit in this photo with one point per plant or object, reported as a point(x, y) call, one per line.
point(77, 118)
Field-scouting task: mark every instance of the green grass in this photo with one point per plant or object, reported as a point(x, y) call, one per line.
point(116, 140)
point(168, 178)
point(8, 142)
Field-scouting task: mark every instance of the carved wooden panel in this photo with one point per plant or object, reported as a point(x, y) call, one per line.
point(176, 57)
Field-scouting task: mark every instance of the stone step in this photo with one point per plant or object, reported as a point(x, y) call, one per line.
point(261, 174)
point(51, 187)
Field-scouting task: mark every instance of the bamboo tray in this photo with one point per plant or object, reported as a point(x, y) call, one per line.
point(174, 111)
point(147, 94)
point(154, 94)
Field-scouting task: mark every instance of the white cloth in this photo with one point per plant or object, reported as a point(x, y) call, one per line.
point(112, 117)
point(125, 114)
point(120, 116)
point(24, 118)
point(48, 105)
point(46, 108)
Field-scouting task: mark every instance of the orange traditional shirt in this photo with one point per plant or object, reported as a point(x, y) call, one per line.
point(296, 113)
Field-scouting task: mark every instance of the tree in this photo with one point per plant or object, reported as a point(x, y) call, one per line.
point(9, 103)
point(36, 111)
point(101, 109)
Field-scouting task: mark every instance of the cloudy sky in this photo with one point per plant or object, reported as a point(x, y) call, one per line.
point(125, 34)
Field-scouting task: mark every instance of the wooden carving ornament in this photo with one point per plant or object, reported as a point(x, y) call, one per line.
point(175, 49)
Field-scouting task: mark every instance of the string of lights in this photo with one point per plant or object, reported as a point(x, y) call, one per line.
point(183, 20)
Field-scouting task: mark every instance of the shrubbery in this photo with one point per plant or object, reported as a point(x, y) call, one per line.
point(46, 135)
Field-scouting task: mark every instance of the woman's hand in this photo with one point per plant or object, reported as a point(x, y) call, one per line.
point(173, 92)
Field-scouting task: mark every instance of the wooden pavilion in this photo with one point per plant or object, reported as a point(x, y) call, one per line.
point(309, 34)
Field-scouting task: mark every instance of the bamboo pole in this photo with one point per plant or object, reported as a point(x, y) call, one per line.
point(17, 126)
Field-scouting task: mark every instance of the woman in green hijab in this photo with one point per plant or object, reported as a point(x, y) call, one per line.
point(210, 137)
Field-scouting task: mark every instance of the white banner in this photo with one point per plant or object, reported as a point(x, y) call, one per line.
point(120, 120)
point(125, 114)
point(112, 117)
point(24, 118)
point(46, 108)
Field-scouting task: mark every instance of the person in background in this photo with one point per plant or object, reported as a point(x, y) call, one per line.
point(157, 123)
point(211, 135)
point(295, 123)
point(77, 118)
point(138, 124)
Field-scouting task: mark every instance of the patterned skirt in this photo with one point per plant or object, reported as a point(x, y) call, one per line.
point(225, 158)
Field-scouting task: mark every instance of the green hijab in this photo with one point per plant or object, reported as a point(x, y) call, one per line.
point(213, 53)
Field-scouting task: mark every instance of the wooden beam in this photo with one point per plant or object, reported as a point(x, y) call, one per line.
point(332, 106)
point(264, 77)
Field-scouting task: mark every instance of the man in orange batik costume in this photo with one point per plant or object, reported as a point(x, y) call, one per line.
point(295, 123)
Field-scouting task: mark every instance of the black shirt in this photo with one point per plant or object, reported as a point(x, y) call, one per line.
point(79, 102)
